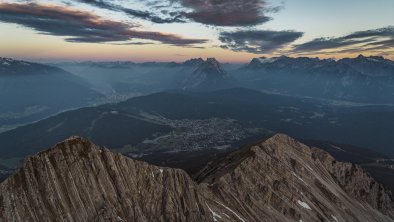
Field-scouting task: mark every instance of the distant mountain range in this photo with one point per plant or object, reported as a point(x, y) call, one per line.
point(122, 80)
point(360, 79)
point(374, 66)
point(277, 179)
point(31, 91)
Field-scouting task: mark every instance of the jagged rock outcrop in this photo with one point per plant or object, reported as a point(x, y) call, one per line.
point(195, 62)
point(278, 179)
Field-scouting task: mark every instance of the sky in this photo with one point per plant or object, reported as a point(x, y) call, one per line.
point(176, 30)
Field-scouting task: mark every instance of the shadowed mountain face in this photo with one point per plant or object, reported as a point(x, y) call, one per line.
point(209, 75)
point(30, 91)
point(278, 179)
point(361, 79)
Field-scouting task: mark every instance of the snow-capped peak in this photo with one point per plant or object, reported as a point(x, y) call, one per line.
point(9, 62)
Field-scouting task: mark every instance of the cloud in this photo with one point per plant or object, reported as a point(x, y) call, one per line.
point(227, 12)
point(210, 12)
point(384, 44)
point(362, 40)
point(256, 41)
point(81, 26)
point(135, 43)
point(174, 17)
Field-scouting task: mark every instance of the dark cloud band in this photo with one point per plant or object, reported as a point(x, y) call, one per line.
point(209, 12)
point(255, 41)
point(227, 12)
point(80, 26)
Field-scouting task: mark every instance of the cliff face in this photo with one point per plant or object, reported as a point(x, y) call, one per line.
point(78, 181)
point(278, 179)
point(282, 179)
point(356, 182)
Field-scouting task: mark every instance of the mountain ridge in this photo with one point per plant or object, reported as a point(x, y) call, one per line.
point(10, 66)
point(78, 176)
point(361, 79)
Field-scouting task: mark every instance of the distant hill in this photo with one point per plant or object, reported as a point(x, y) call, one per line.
point(31, 91)
point(360, 79)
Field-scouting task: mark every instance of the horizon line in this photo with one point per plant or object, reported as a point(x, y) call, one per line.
point(42, 60)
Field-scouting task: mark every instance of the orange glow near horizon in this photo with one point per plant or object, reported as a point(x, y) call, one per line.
point(53, 51)
point(26, 44)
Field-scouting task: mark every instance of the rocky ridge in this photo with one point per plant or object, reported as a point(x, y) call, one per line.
point(278, 179)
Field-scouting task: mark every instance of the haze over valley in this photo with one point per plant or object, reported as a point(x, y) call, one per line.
point(252, 110)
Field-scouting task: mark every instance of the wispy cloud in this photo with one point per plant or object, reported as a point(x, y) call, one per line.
point(81, 26)
point(258, 41)
point(362, 40)
point(142, 14)
point(135, 43)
